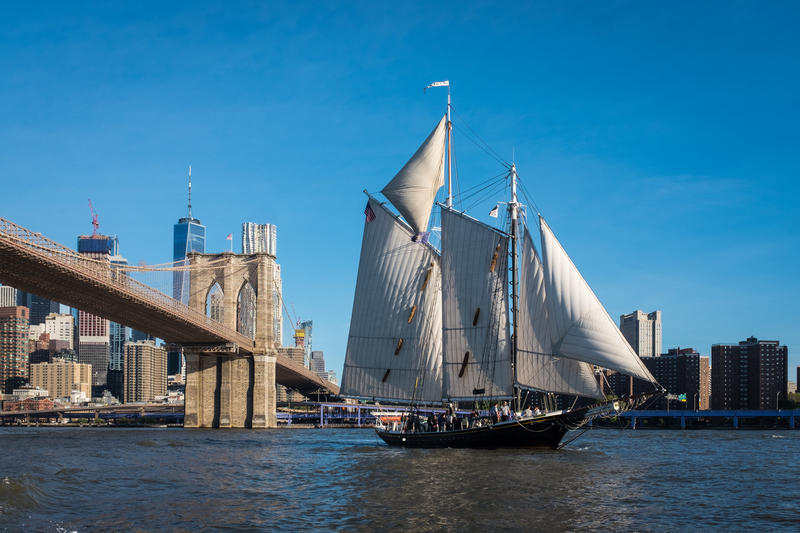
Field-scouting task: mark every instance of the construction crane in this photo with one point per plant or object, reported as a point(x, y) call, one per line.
point(95, 223)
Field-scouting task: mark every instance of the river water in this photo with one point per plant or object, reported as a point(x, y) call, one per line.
point(113, 479)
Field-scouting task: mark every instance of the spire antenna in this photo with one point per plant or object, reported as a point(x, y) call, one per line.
point(190, 192)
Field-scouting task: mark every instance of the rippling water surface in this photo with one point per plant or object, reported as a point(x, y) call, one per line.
point(101, 479)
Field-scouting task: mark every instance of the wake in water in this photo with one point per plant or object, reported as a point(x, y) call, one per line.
point(18, 494)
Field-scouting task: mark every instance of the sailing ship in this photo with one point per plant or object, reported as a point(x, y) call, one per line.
point(482, 319)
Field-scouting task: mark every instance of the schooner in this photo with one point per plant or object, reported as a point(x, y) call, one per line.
point(479, 320)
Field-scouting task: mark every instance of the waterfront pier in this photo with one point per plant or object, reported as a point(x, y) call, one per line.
point(712, 419)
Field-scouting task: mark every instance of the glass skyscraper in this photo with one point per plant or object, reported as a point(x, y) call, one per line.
point(39, 307)
point(306, 327)
point(188, 236)
point(118, 334)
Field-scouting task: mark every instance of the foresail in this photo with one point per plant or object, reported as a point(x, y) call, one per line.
point(537, 367)
point(476, 360)
point(413, 189)
point(579, 326)
point(394, 346)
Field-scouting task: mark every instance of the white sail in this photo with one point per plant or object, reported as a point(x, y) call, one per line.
point(395, 341)
point(537, 367)
point(477, 355)
point(413, 189)
point(579, 326)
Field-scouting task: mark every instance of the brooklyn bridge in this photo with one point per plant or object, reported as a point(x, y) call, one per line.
point(231, 371)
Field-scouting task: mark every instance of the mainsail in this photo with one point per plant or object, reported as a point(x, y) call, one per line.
point(477, 355)
point(537, 367)
point(395, 342)
point(413, 189)
point(578, 325)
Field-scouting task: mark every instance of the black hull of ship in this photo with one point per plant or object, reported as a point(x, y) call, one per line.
point(543, 432)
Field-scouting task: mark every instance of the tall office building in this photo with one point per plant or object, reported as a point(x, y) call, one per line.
point(60, 328)
point(94, 346)
point(749, 375)
point(643, 332)
point(118, 334)
point(317, 362)
point(61, 377)
point(263, 238)
point(38, 344)
point(35, 330)
point(137, 335)
point(188, 236)
point(259, 238)
point(318, 367)
point(145, 375)
point(330, 375)
point(40, 307)
point(8, 296)
point(303, 332)
point(13, 347)
point(682, 371)
point(705, 383)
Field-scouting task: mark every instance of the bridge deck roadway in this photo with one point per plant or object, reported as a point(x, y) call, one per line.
point(51, 272)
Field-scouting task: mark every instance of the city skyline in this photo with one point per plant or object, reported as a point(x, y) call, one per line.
point(673, 142)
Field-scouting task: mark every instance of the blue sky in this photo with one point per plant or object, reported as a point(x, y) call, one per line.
point(660, 140)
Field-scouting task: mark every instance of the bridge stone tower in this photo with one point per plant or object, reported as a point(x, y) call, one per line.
point(228, 385)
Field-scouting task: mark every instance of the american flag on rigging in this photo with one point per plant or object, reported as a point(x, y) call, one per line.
point(369, 212)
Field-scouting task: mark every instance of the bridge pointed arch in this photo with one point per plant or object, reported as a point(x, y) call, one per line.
point(246, 311)
point(215, 302)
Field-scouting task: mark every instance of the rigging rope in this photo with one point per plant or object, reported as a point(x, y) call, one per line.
point(471, 191)
point(573, 438)
point(493, 192)
point(480, 143)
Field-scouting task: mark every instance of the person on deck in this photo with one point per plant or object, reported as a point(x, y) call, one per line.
point(505, 413)
point(452, 417)
point(494, 413)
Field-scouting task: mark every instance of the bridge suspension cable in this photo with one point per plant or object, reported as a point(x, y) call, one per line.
point(34, 263)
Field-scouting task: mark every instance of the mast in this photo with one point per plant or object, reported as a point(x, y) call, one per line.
point(446, 83)
point(513, 207)
point(449, 152)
